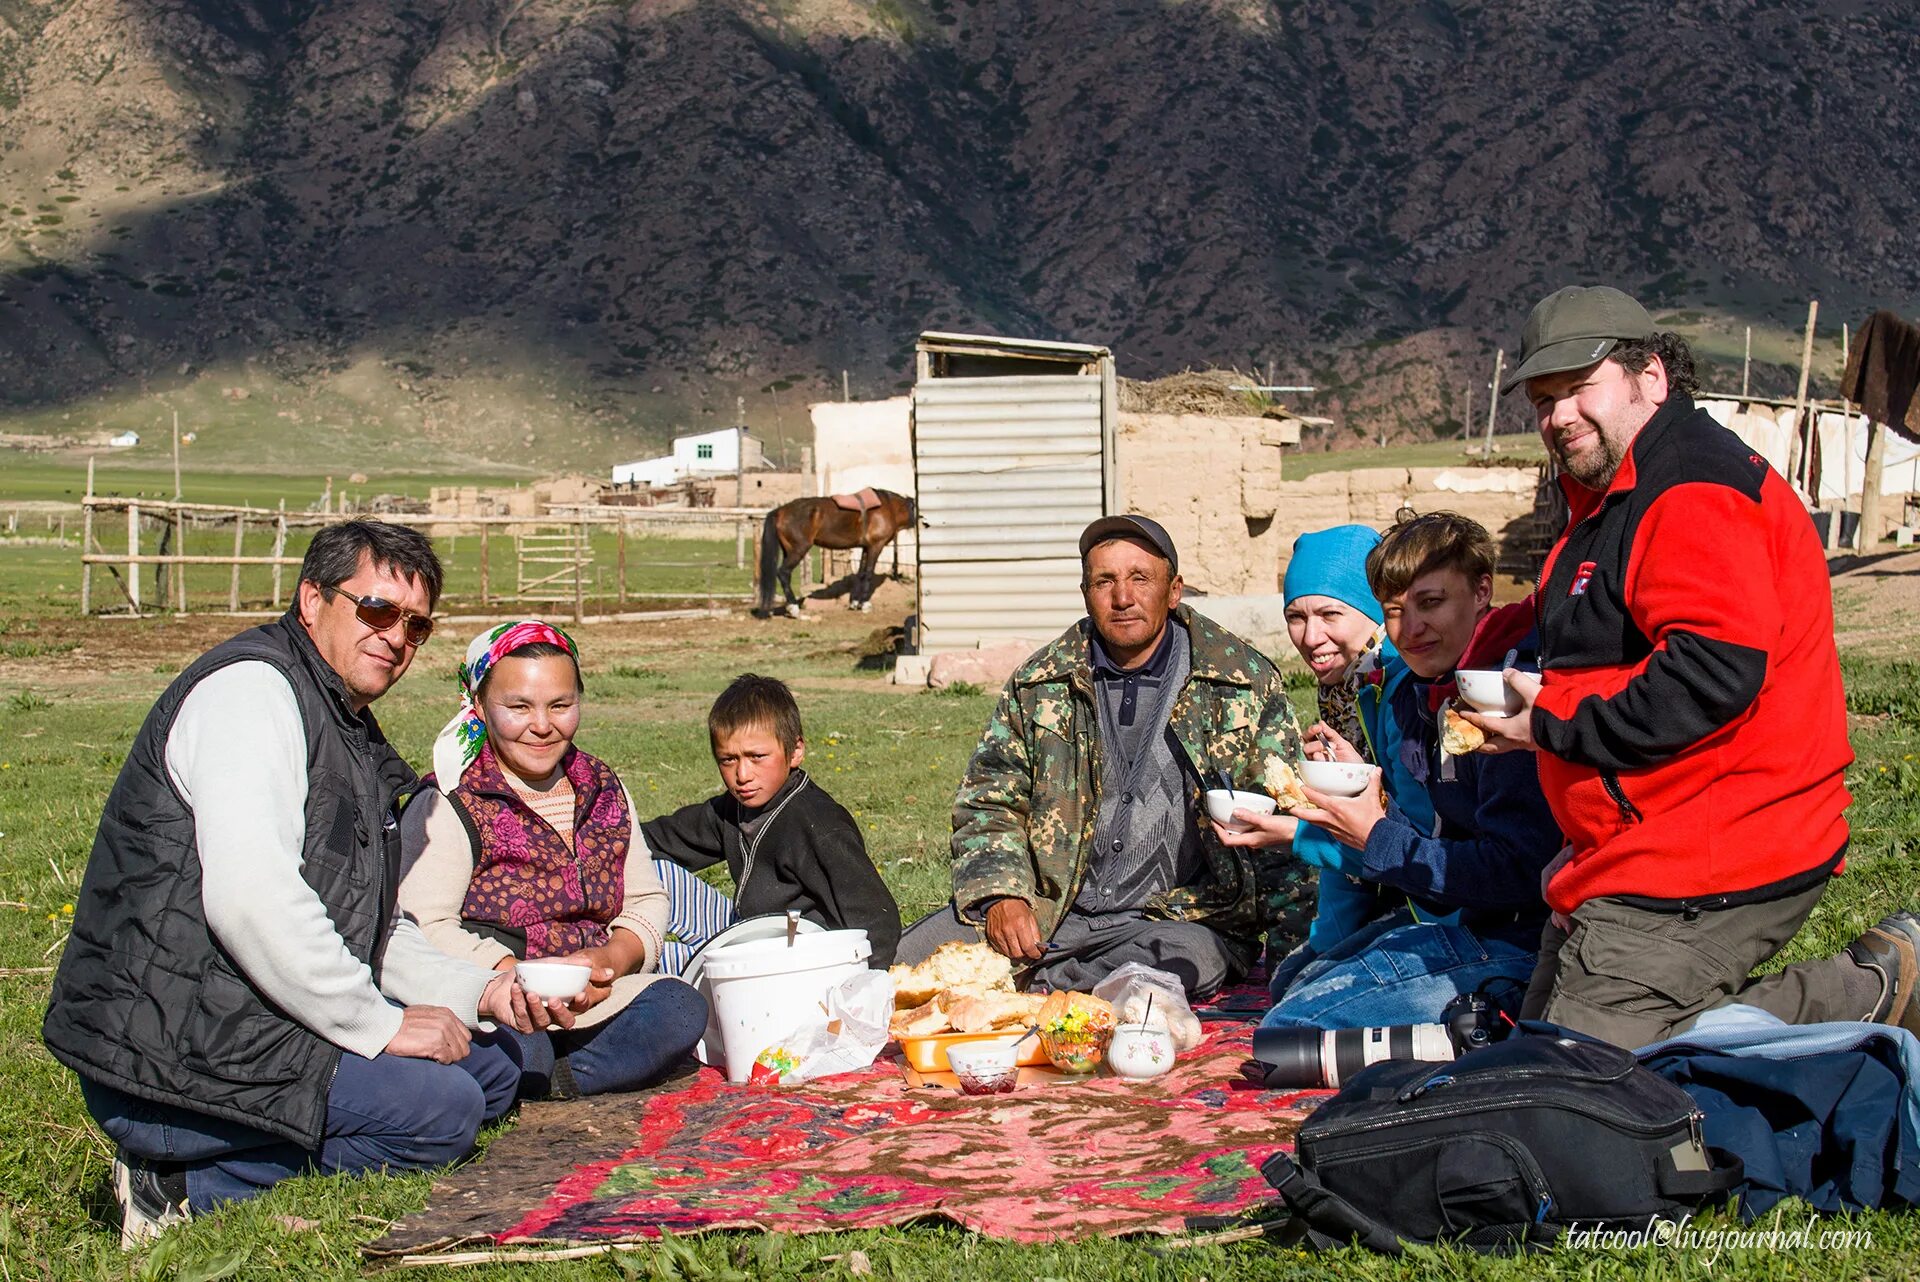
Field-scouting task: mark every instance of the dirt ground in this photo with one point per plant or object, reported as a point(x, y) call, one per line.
point(74, 651)
point(1876, 601)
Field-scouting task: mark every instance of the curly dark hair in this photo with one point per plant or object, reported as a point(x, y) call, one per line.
point(1633, 354)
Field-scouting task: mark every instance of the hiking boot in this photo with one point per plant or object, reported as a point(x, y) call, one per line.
point(1892, 950)
point(152, 1198)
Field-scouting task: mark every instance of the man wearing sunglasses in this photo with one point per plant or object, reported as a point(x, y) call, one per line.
point(240, 997)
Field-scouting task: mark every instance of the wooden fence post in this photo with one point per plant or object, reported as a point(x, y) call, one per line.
point(279, 549)
point(1493, 403)
point(1800, 456)
point(86, 546)
point(621, 562)
point(579, 574)
point(133, 550)
point(486, 587)
point(1869, 528)
point(755, 553)
point(180, 549)
point(740, 542)
point(239, 545)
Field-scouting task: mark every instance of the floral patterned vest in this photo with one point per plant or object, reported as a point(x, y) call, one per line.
point(525, 878)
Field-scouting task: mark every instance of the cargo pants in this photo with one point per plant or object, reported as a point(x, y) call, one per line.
point(1635, 975)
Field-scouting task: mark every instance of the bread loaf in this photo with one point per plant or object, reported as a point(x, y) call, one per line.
point(918, 1021)
point(1462, 736)
point(1282, 784)
point(959, 969)
point(994, 1010)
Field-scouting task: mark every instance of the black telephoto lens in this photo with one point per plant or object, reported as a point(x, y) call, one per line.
point(1291, 1056)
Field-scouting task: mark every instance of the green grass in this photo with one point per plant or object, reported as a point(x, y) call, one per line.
point(893, 760)
point(29, 477)
point(43, 579)
point(1519, 448)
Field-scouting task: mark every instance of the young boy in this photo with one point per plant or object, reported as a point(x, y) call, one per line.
point(786, 842)
point(1470, 882)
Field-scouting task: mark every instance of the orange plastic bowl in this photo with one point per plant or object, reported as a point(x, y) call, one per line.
point(929, 1054)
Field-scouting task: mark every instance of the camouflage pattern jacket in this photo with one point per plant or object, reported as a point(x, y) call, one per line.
point(1023, 819)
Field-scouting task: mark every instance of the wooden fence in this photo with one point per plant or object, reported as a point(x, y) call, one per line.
point(556, 546)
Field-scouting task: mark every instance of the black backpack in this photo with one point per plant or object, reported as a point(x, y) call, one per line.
point(1507, 1146)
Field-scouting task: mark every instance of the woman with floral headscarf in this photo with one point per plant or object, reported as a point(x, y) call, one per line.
point(526, 849)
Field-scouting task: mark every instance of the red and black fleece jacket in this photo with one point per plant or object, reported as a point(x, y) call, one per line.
point(1692, 722)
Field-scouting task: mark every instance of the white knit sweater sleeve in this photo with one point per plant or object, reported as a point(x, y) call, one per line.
point(645, 909)
point(438, 859)
point(237, 755)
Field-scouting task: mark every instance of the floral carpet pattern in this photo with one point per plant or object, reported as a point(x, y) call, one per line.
point(1071, 1159)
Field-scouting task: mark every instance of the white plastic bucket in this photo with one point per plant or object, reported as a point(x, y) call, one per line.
point(763, 990)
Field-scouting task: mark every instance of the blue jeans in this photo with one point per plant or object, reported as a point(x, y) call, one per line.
point(635, 1048)
point(1398, 971)
point(385, 1113)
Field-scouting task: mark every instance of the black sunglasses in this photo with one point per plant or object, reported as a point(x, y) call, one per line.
point(381, 615)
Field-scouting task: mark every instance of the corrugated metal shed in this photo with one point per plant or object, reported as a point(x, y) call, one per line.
point(1013, 455)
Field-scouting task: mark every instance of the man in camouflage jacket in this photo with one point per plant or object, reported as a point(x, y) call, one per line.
point(1028, 826)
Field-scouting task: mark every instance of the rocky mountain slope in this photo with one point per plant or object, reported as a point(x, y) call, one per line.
point(599, 220)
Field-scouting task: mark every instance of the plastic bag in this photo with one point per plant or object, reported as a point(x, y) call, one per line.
point(1129, 988)
point(845, 1038)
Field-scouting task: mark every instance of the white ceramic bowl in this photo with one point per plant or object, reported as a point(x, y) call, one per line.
point(552, 979)
point(984, 1068)
point(1221, 804)
point(1487, 691)
point(1140, 1051)
point(1336, 778)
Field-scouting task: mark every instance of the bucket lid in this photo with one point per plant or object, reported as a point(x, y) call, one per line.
point(762, 926)
point(776, 956)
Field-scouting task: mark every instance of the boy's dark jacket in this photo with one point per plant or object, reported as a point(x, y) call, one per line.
point(806, 854)
point(1495, 832)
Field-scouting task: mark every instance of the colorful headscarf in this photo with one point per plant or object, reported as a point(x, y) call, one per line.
point(458, 742)
point(1340, 702)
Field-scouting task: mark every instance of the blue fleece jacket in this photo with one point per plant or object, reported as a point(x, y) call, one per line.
point(1494, 834)
point(1346, 903)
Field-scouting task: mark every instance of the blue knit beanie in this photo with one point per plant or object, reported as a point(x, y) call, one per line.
point(1334, 563)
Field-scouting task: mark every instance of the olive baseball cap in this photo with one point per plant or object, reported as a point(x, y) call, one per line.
point(1140, 529)
point(1573, 328)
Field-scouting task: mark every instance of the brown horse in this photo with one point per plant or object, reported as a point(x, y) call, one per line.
point(794, 528)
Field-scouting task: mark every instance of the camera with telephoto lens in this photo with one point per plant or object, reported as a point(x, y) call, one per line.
point(1309, 1057)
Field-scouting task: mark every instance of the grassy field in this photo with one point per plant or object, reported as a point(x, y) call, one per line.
point(42, 477)
point(70, 705)
point(39, 574)
point(1518, 448)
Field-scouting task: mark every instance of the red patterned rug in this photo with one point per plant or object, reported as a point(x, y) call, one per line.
point(1072, 1159)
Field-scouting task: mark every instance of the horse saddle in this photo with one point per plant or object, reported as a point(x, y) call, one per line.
point(865, 499)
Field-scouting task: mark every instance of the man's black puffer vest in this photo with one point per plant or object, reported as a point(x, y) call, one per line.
point(146, 1000)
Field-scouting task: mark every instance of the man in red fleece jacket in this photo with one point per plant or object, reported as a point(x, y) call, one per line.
point(1690, 720)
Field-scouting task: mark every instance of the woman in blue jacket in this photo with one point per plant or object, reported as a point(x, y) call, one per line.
point(1464, 871)
point(1335, 624)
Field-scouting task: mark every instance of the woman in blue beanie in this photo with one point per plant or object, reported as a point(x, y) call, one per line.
point(1336, 625)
